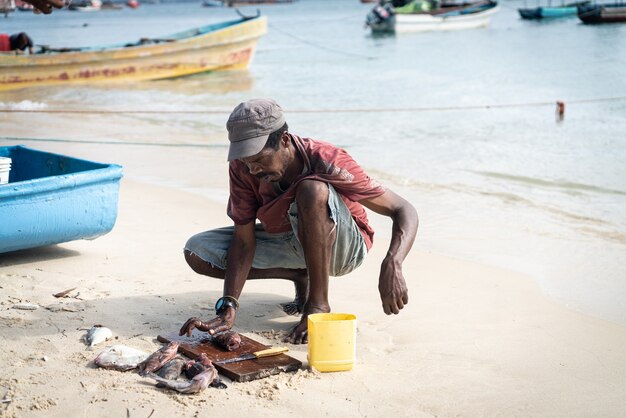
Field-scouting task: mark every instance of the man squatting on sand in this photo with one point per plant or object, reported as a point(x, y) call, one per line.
point(309, 197)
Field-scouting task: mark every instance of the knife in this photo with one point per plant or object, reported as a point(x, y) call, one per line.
point(274, 351)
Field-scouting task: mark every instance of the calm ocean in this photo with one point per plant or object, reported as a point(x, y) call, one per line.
point(504, 185)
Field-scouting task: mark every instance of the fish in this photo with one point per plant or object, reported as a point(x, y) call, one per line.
point(197, 366)
point(97, 334)
point(120, 357)
point(158, 358)
point(173, 368)
point(228, 340)
point(200, 381)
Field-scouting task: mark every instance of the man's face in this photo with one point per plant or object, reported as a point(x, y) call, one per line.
point(269, 165)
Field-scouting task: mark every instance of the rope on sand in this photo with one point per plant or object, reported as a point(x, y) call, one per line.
point(344, 110)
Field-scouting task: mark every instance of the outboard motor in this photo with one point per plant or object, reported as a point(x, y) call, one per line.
point(382, 18)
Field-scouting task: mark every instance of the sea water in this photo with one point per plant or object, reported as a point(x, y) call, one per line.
point(461, 123)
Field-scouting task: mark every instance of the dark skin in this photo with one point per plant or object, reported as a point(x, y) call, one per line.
point(317, 235)
point(46, 6)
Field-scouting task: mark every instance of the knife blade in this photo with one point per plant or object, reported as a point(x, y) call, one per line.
point(274, 351)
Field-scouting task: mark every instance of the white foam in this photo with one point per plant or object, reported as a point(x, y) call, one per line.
point(23, 105)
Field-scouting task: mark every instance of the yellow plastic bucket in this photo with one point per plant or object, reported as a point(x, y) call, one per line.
point(332, 341)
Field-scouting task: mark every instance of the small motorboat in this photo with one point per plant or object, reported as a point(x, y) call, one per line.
point(430, 15)
point(603, 13)
point(551, 12)
point(220, 46)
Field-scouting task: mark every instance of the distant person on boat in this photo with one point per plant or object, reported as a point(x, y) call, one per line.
point(16, 42)
point(47, 6)
point(310, 198)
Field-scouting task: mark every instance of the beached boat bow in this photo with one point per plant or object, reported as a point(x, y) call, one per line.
point(222, 46)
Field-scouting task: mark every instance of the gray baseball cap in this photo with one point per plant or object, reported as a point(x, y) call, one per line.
point(250, 124)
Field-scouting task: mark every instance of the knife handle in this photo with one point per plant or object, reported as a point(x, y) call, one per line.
point(270, 352)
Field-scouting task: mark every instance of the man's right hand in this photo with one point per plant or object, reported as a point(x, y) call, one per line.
point(216, 325)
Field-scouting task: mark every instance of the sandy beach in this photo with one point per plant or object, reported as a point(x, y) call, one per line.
point(473, 341)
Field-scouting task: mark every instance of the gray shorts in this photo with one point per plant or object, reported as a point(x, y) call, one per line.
point(284, 250)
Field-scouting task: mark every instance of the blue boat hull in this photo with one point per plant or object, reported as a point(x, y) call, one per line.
point(52, 198)
point(548, 12)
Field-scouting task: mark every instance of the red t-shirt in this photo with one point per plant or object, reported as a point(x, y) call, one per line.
point(250, 198)
point(5, 42)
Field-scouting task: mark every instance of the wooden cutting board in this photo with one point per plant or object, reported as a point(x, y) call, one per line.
point(241, 371)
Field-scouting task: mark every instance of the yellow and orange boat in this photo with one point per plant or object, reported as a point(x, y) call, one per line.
point(222, 46)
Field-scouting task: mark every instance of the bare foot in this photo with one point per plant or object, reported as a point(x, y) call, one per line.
point(300, 333)
point(293, 308)
point(296, 306)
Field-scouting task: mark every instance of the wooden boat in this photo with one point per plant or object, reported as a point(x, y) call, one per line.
point(52, 198)
point(603, 13)
point(565, 10)
point(213, 3)
point(222, 46)
point(450, 16)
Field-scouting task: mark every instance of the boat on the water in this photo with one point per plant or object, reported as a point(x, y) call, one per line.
point(52, 198)
point(430, 15)
point(221, 46)
point(551, 12)
point(23, 6)
point(237, 3)
point(109, 5)
point(86, 6)
point(603, 13)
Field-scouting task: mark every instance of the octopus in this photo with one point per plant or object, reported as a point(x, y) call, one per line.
point(229, 340)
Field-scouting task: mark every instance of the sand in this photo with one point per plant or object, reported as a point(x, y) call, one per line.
point(473, 341)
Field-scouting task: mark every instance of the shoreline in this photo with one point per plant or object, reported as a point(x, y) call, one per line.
point(473, 340)
point(208, 179)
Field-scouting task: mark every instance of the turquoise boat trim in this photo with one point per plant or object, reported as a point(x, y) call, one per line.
point(558, 11)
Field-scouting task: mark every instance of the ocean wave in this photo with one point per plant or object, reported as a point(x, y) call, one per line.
point(565, 186)
point(23, 105)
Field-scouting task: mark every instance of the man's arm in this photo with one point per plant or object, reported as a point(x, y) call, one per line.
point(391, 284)
point(240, 256)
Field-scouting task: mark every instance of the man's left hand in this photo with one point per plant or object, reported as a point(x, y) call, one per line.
point(392, 287)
